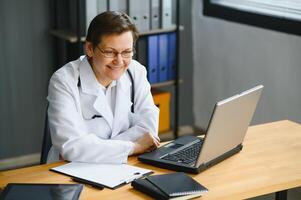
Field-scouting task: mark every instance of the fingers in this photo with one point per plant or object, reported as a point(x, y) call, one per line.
point(155, 140)
point(157, 143)
point(151, 148)
point(147, 143)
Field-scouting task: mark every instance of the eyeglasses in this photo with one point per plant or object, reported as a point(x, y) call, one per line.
point(114, 54)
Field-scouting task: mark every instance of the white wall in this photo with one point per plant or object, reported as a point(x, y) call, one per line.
point(231, 57)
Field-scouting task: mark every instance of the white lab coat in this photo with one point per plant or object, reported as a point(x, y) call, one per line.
point(109, 139)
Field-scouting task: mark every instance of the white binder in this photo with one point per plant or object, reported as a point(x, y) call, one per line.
point(102, 6)
point(117, 5)
point(166, 14)
point(91, 11)
point(139, 11)
point(155, 15)
point(145, 15)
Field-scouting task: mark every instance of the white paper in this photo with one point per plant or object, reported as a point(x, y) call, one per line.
point(110, 175)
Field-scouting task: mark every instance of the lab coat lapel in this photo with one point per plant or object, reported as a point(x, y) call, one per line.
point(92, 90)
point(123, 103)
point(102, 107)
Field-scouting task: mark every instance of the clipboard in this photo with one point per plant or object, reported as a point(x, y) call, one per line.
point(102, 175)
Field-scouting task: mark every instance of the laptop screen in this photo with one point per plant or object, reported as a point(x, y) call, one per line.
point(228, 124)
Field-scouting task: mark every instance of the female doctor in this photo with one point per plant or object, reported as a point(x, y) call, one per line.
point(91, 117)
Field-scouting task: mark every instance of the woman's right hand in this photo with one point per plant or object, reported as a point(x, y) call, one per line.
point(146, 143)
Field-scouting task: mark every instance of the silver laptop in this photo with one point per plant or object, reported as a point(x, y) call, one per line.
point(224, 136)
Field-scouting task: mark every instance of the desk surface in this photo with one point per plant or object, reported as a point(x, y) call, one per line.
point(269, 162)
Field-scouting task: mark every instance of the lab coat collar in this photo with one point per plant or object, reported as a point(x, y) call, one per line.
point(89, 85)
point(124, 83)
point(88, 81)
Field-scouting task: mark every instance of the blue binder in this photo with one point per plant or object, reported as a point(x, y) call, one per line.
point(163, 57)
point(152, 58)
point(172, 43)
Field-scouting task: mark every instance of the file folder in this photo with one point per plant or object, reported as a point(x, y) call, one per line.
point(102, 6)
point(118, 5)
point(163, 57)
point(145, 15)
point(162, 101)
point(155, 14)
point(139, 11)
point(166, 14)
point(91, 11)
point(142, 51)
point(152, 58)
point(172, 49)
point(134, 11)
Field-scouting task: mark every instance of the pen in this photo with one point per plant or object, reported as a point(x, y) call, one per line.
point(93, 184)
point(135, 176)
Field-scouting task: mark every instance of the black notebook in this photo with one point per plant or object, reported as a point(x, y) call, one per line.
point(170, 186)
point(20, 191)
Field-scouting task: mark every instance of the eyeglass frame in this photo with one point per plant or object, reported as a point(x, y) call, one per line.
point(103, 52)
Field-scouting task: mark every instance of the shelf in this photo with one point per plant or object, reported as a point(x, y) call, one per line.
point(66, 35)
point(182, 131)
point(166, 135)
point(165, 83)
point(71, 37)
point(158, 31)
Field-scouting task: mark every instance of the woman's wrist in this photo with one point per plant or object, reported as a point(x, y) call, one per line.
point(133, 147)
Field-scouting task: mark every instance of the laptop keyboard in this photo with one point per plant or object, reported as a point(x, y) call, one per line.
point(187, 155)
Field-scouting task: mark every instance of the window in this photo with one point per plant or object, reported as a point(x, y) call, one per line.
point(281, 15)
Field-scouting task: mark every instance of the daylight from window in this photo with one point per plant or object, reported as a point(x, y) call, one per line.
point(287, 9)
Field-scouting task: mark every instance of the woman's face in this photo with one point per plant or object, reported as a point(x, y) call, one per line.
point(111, 57)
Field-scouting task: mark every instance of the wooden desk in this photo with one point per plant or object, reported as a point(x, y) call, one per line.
point(269, 162)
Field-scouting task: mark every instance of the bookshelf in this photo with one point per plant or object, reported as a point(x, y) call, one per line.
point(71, 37)
point(69, 45)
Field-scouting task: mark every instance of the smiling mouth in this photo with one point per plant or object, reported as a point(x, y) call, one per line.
point(114, 68)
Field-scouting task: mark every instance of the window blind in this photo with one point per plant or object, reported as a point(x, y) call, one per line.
point(287, 9)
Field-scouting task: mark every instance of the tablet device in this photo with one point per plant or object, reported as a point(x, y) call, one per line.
point(16, 191)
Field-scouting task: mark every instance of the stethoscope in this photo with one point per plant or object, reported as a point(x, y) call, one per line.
point(132, 92)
